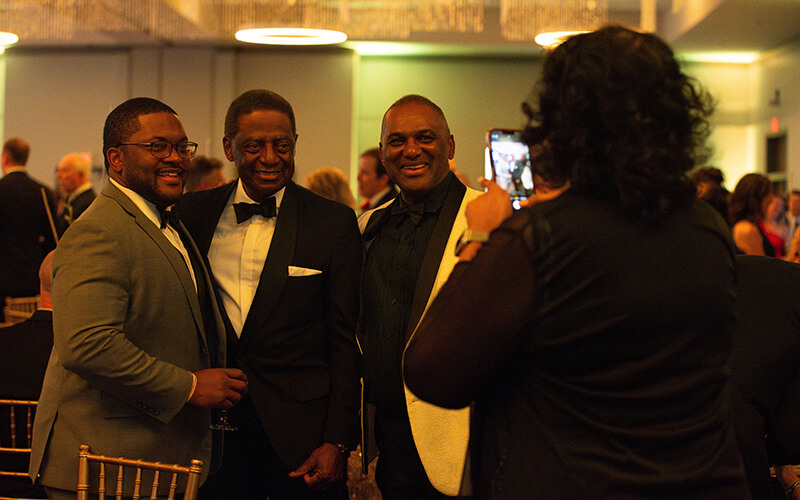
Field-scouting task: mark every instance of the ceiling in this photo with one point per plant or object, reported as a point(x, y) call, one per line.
point(688, 25)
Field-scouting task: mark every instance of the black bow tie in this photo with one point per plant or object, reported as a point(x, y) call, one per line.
point(265, 209)
point(166, 217)
point(414, 212)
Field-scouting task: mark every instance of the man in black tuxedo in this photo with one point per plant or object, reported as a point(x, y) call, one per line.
point(26, 233)
point(73, 179)
point(287, 265)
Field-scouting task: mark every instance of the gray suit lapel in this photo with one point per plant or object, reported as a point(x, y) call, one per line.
point(170, 252)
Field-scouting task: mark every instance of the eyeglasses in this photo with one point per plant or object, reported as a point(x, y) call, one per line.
point(162, 149)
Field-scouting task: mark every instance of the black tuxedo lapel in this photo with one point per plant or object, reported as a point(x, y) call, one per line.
point(206, 296)
point(208, 209)
point(276, 268)
point(200, 211)
point(434, 251)
point(374, 225)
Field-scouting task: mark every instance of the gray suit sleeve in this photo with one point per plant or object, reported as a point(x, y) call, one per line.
point(106, 320)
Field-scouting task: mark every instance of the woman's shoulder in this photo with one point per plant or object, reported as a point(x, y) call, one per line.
point(745, 227)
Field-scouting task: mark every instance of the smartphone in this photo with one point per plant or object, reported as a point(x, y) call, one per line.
point(510, 163)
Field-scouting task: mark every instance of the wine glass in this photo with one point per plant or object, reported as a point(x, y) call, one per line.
point(222, 423)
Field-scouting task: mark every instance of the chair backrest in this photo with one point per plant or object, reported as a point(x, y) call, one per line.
point(13, 316)
point(16, 420)
point(16, 426)
point(18, 309)
point(24, 304)
point(192, 474)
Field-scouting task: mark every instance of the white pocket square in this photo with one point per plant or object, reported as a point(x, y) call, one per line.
point(303, 271)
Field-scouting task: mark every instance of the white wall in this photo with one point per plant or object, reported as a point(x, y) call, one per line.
point(58, 100)
point(780, 70)
point(734, 141)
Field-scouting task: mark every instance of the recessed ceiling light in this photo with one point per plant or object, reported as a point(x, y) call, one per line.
point(7, 38)
point(553, 39)
point(720, 57)
point(290, 36)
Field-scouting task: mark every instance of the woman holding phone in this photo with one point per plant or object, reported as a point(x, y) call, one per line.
point(591, 331)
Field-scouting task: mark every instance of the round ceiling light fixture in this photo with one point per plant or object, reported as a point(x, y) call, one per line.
point(8, 38)
point(553, 39)
point(290, 36)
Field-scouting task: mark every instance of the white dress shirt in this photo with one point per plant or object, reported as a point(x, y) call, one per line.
point(151, 212)
point(237, 255)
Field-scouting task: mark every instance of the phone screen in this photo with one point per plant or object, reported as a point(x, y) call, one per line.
point(511, 164)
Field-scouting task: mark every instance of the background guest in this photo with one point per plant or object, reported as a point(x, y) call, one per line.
point(765, 363)
point(596, 371)
point(73, 180)
point(792, 218)
point(24, 351)
point(709, 182)
point(331, 183)
point(204, 173)
point(27, 230)
point(775, 226)
point(373, 183)
point(746, 207)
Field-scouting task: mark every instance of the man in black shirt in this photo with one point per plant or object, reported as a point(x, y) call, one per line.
point(410, 251)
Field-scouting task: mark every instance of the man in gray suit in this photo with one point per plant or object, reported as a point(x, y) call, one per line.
point(136, 326)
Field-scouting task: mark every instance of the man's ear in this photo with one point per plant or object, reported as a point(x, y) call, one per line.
point(451, 147)
point(227, 145)
point(114, 156)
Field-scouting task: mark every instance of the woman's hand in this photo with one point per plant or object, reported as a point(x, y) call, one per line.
point(489, 210)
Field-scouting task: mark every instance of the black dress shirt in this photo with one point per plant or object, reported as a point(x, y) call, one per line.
point(392, 267)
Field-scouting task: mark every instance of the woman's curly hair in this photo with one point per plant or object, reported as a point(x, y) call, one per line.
point(618, 120)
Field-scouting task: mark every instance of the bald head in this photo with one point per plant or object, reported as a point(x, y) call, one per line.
point(73, 171)
point(46, 282)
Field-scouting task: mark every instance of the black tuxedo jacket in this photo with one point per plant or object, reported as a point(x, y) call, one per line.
point(298, 345)
point(392, 194)
point(81, 202)
point(77, 206)
point(24, 351)
point(25, 234)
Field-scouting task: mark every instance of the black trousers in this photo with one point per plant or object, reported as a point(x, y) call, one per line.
point(251, 469)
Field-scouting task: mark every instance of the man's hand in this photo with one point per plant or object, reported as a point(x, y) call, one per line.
point(323, 468)
point(219, 388)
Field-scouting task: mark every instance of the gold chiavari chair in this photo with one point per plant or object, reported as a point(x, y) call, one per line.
point(192, 474)
point(16, 431)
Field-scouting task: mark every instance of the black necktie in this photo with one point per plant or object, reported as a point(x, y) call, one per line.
point(244, 211)
point(165, 216)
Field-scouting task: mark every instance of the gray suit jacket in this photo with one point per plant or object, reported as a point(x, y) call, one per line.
point(128, 333)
